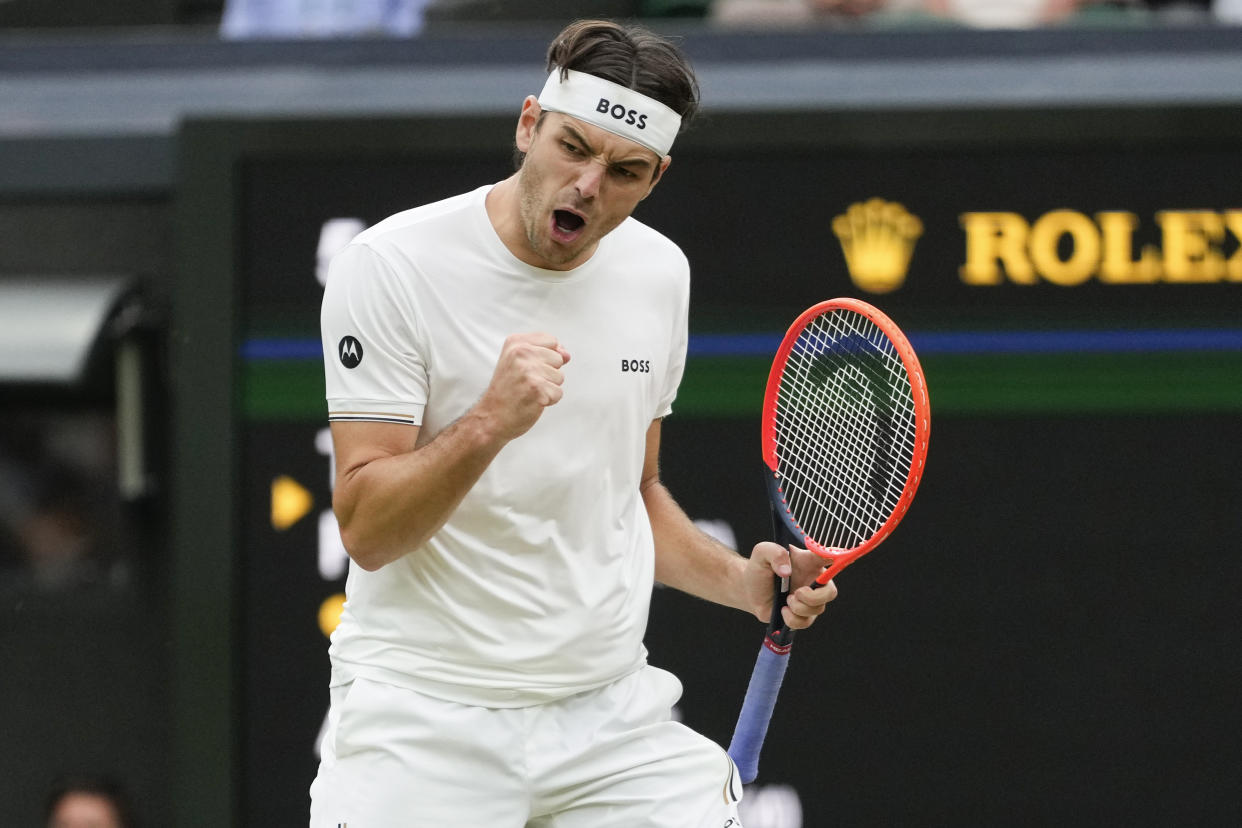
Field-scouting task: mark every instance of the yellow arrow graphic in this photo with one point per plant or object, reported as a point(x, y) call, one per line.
point(290, 502)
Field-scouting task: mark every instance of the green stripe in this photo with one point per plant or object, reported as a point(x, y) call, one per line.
point(283, 390)
point(293, 390)
point(1086, 383)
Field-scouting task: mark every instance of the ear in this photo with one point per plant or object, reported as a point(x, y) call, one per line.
point(659, 174)
point(527, 123)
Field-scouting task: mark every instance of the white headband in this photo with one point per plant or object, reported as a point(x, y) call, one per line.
point(612, 107)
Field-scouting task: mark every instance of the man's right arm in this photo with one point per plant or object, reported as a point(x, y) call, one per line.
point(392, 495)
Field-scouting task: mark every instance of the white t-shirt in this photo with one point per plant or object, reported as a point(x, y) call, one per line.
point(538, 586)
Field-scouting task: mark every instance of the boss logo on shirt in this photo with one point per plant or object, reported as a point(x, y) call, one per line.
point(636, 366)
point(350, 352)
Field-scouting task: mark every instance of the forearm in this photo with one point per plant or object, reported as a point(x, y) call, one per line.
point(391, 505)
point(688, 559)
point(392, 494)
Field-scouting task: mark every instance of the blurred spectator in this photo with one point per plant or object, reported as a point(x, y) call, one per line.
point(1008, 14)
point(509, 11)
point(60, 528)
point(674, 8)
point(55, 533)
point(1228, 11)
point(1005, 14)
point(1179, 12)
point(89, 802)
point(286, 19)
point(798, 12)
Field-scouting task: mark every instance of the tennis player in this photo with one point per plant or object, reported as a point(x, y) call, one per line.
point(498, 365)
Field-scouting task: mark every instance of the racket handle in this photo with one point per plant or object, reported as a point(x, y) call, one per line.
point(752, 722)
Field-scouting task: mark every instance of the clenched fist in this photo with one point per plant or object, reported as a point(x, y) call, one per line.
point(527, 380)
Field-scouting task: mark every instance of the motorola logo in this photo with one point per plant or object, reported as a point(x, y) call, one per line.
point(350, 352)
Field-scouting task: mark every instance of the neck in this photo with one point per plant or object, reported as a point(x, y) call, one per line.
point(505, 213)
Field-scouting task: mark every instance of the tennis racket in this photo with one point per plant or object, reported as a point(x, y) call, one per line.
point(844, 436)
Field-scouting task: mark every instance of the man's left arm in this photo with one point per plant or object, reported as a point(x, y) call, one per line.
point(688, 559)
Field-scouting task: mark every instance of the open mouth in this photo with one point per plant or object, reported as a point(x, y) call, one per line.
point(567, 223)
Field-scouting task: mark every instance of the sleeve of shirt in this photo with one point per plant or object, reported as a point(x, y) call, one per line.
point(374, 353)
point(678, 341)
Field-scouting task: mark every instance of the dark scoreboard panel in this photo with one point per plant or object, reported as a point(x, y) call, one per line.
point(1010, 230)
point(1045, 635)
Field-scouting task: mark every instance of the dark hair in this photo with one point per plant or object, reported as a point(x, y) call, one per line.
point(630, 56)
point(101, 786)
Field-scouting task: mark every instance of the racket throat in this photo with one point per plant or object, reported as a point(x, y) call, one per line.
point(779, 638)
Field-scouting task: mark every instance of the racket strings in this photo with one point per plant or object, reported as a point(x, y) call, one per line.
point(822, 467)
point(827, 485)
point(845, 429)
point(856, 491)
point(843, 493)
point(857, 485)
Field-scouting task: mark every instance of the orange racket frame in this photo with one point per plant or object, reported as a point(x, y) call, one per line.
point(837, 558)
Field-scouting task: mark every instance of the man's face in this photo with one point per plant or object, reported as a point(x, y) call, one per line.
point(576, 184)
point(84, 810)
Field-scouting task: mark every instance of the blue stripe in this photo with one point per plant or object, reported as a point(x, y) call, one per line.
point(1059, 342)
point(733, 345)
point(925, 343)
point(1003, 342)
point(260, 349)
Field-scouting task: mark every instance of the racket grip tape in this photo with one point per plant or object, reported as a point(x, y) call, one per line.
point(760, 701)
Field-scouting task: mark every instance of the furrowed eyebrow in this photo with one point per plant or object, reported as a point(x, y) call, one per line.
point(570, 132)
point(640, 162)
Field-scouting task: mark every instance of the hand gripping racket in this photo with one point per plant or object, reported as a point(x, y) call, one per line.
point(845, 427)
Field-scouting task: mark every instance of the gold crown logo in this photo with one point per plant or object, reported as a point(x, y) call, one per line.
point(878, 238)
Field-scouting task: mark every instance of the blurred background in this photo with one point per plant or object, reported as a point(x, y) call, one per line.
point(1042, 193)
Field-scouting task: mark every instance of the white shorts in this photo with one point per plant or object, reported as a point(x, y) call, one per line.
point(609, 758)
